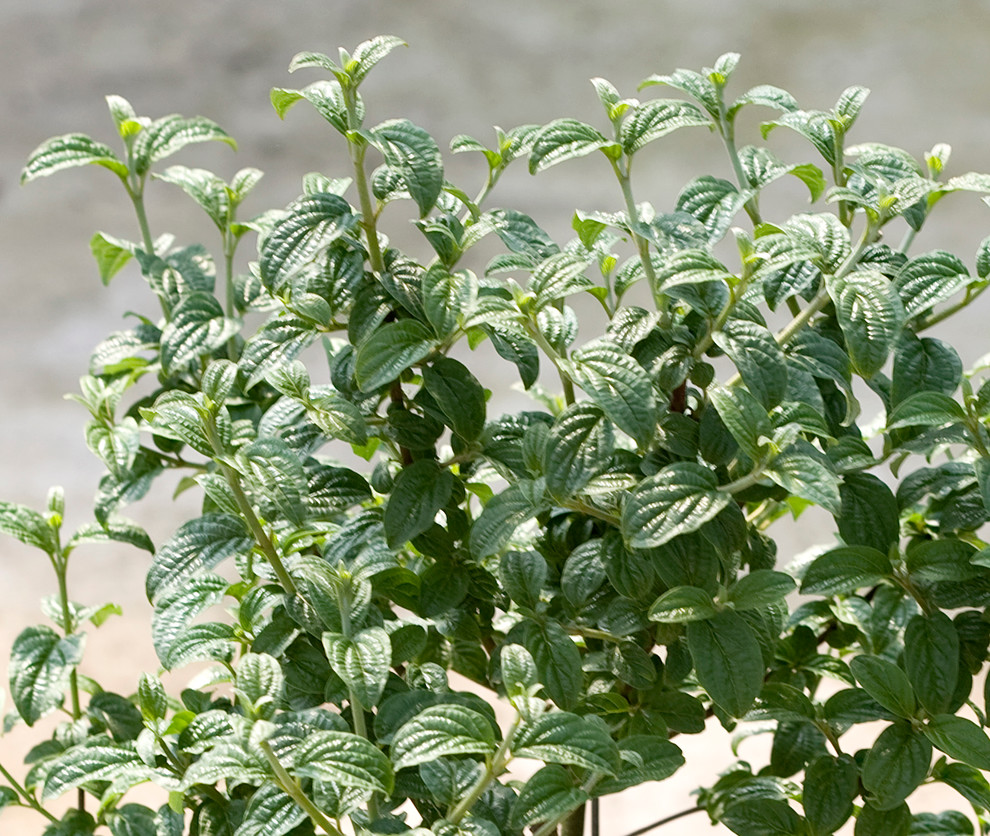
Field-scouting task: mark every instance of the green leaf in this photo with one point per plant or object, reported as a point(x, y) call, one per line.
point(727, 660)
point(565, 738)
point(931, 659)
point(518, 670)
point(270, 812)
point(805, 472)
point(276, 343)
point(421, 489)
point(325, 96)
point(505, 512)
point(523, 576)
point(886, 683)
point(368, 53)
point(132, 820)
point(830, 787)
point(362, 662)
point(259, 683)
point(198, 545)
point(28, 526)
point(558, 661)
point(391, 349)
point(619, 385)
point(40, 664)
point(197, 327)
point(644, 759)
point(763, 816)
point(441, 731)
point(960, 738)
point(925, 409)
point(111, 254)
point(579, 447)
point(968, 781)
point(448, 298)
point(760, 588)
point(678, 499)
point(177, 605)
point(845, 569)
point(96, 761)
point(929, 279)
point(546, 796)
point(458, 394)
point(714, 202)
point(414, 153)
point(870, 314)
point(277, 477)
point(563, 139)
point(896, 764)
point(344, 759)
point(682, 604)
point(873, 821)
point(69, 151)
point(165, 136)
point(869, 513)
point(760, 360)
point(181, 416)
point(744, 417)
point(651, 120)
point(558, 276)
point(923, 365)
point(310, 225)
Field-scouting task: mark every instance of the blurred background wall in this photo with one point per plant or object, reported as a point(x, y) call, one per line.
point(471, 64)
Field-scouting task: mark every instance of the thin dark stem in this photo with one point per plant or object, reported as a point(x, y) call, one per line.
point(23, 793)
point(666, 820)
point(595, 817)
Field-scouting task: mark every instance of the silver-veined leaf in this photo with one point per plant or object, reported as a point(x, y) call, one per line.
point(69, 151)
point(28, 526)
point(563, 139)
point(362, 662)
point(413, 152)
point(565, 738)
point(270, 812)
point(198, 545)
point(760, 360)
point(654, 119)
point(619, 385)
point(441, 731)
point(548, 795)
point(714, 202)
point(870, 314)
point(579, 447)
point(678, 499)
point(344, 759)
point(929, 279)
point(95, 761)
point(368, 53)
point(165, 136)
point(505, 512)
point(40, 663)
point(310, 225)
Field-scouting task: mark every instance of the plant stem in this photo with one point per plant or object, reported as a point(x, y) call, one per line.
point(727, 130)
point(33, 802)
point(493, 769)
point(368, 222)
point(642, 245)
point(666, 820)
point(291, 788)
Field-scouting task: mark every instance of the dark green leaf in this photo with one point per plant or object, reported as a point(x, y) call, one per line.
point(565, 738)
point(830, 786)
point(390, 350)
point(682, 604)
point(580, 444)
point(344, 759)
point(362, 662)
point(931, 658)
point(727, 660)
point(420, 491)
point(759, 589)
point(548, 795)
point(441, 731)
point(886, 683)
point(870, 314)
point(459, 396)
point(960, 738)
point(759, 359)
point(896, 764)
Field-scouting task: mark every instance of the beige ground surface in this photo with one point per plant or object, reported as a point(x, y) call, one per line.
point(471, 64)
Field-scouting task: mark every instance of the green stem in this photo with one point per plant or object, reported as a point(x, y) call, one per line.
point(642, 245)
point(555, 357)
point(33, 802)
point(744, 482)
point(727, 130)
point(257, 529)
point(368, 220)
point(945, 313)
point(493, 769)
point(291, 788)
point(137, 198)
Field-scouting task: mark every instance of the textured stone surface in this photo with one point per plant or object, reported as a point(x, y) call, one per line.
point(471, 64)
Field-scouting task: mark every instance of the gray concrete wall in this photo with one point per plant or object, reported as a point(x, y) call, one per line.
point(470, 64)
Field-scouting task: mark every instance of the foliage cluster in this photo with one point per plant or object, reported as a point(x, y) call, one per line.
point(601, 562)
